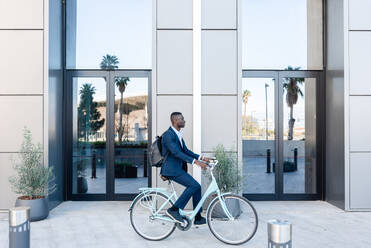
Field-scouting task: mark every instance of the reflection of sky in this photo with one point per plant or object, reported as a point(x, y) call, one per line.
point(135, 87)
point(255, 106)
point(98, 83)
point(274, 34)
point(117, 27)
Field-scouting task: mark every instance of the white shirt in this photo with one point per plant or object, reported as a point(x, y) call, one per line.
point(180, 137)
point(179, 134)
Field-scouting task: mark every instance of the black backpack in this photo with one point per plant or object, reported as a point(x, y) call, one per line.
point(155, 151)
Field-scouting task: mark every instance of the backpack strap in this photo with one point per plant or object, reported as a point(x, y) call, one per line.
point(167, 154)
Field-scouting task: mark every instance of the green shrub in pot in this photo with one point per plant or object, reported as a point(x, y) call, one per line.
point(227, 174)
point(33, 181)
point(229, 178)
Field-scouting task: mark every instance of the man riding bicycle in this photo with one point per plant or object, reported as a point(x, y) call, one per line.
point(174, 168)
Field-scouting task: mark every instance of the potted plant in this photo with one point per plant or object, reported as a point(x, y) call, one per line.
point(33, 181)
point(229, 179)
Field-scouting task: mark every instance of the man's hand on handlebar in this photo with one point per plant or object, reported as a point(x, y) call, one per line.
point(201, 164)
point(206, 159)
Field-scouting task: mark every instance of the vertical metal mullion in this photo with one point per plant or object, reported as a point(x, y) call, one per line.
point(108, 143)
point(318, 133)
point(279, 142)
point(321, 132)
point(276, 136)
point(149, 124)
point(110, 176)
point(68, 132)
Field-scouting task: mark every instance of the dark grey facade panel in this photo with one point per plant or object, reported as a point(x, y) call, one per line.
point(55, 99)
point(335, 178)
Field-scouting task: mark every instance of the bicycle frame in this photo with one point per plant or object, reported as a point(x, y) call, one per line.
point(213, 187)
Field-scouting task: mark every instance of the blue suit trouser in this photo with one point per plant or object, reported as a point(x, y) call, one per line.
point(193, 189)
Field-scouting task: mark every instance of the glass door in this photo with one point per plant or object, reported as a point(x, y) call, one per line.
point(86, 133)
point(107, 133)
point(130, 120)
point(259, 124)
point(282, 134)
point(301, 117)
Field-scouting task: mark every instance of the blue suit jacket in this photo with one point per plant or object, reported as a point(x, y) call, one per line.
point(177, 155)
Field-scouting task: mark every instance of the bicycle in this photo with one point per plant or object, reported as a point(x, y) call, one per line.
point(231, 218)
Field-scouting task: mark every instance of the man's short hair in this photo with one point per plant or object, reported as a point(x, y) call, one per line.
point(174, 114)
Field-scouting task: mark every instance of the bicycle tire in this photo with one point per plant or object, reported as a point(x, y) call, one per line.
point(136, 229)
point(218, 236)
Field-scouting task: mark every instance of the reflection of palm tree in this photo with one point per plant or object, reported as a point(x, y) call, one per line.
point(292, 87)
point(109, 62)
point(121, 83)
point(89, 118)
point(245, 98)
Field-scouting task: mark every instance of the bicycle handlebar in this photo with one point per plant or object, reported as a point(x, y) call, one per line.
point(213, 163)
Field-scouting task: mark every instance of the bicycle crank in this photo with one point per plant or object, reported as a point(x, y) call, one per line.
point(186, 225)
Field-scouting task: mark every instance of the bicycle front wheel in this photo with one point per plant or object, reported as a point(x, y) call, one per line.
point(237, 230)
point(144, 221)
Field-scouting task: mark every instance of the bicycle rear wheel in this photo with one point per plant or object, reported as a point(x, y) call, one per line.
point(142, 216)
point(241, 228)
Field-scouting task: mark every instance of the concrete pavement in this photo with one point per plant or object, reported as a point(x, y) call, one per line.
point(106, 224)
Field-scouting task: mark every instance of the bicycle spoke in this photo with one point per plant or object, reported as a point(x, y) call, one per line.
point(238, 229)
point(148, 216)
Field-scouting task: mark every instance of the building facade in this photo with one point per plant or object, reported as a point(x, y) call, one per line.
point(225, 64)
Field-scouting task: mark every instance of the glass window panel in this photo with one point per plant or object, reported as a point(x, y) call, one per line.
point(299, 135)
point(281, 33)
point(131, 134)
point(121, 28)
point(89, 135)
point(258, 135)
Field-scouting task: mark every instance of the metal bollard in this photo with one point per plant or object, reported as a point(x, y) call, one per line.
point(296, 158)
point(268, 160)
point(19, 227)
point(145, 158)
point(94, 166)
point(279, 234)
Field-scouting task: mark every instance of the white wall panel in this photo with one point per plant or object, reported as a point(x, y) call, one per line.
point(174, 62)
point(360, 183)
point(21, 63)
point(359, 14)
point(173, 14)
point(17, 112)
point(360, 123)
point(219, 14)
point(21, 14)
point(219, 122)
point(219, 62)
point(165, 106)
point(359, 62)
point(7, 197)
point(168, 104)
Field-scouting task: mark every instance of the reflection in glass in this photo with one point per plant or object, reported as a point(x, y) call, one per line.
point(131, 134)
point(117, 27)
point(89, 135)
point(258, 134)
point(280, 33)
point(299, 135)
